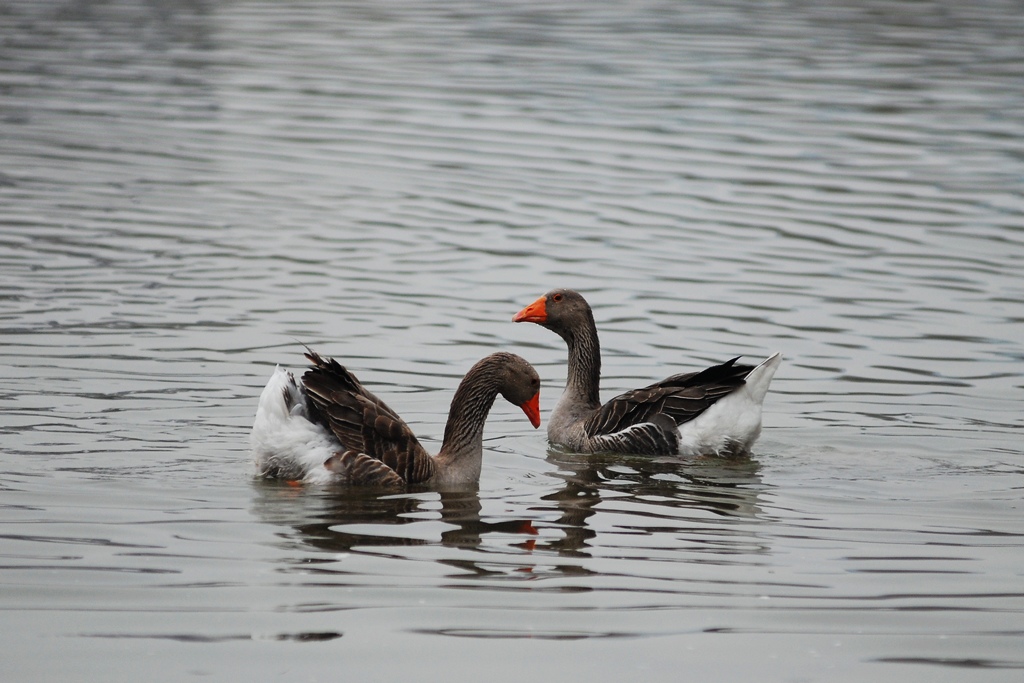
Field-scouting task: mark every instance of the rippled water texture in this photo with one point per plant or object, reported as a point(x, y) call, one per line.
point(189, 190)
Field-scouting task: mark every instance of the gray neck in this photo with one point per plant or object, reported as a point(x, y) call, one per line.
point(463, 445)
point(583, 382)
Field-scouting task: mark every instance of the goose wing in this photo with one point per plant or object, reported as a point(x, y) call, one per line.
point(362, 422)
point(361, 469)
point(680, 397)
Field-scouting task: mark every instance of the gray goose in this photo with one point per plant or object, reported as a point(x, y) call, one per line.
point(716, 411)
point(331, 429)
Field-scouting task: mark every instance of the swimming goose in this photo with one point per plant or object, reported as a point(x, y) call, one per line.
point(716, 411)
point(330, 429)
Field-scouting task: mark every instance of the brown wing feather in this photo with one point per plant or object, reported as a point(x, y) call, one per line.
point(682, 397)
point(362, 422)
point(362, 470)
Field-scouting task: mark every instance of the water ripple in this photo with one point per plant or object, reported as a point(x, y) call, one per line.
point(192, 190)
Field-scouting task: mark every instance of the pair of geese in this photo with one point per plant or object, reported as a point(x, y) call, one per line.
point(331, 429)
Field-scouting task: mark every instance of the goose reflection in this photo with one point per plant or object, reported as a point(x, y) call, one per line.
point(648, 490)
point(706, 505)
point(344, 521)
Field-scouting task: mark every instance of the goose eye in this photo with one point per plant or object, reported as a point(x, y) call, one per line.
point(556, 298)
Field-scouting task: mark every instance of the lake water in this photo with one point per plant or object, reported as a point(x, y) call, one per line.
point(190, 190)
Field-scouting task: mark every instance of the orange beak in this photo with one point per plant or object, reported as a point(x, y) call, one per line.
point(536, 312)
point(532, 410)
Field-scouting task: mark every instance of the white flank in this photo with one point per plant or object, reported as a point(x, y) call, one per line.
point(733, 423)
point(286, 442)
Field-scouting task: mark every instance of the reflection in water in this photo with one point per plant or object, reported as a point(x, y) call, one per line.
point(639, 494)
point(652, 487)
point(342, 520)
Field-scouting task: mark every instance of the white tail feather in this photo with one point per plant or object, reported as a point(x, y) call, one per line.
point(284, 442)
point(733, 423)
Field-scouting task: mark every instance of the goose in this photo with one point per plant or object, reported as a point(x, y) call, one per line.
point(329, 428)
point(716, 411)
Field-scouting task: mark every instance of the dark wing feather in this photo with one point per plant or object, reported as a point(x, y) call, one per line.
point(362, 422)
point(655, 437)
point(362, 470)
point(681, 397)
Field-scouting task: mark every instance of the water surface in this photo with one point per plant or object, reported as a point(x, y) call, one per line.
point(191, 190)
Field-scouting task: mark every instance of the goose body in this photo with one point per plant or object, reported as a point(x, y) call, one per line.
point(329, 428)
point(716, 411)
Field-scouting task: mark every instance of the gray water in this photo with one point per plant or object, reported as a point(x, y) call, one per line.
point(191, 190)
